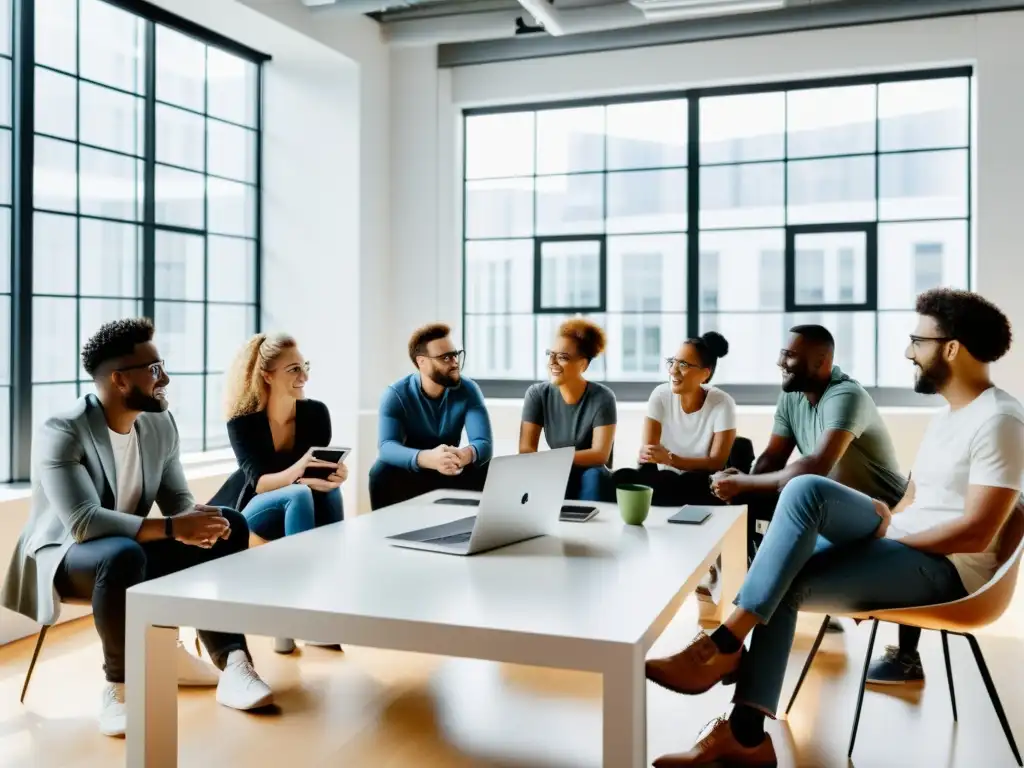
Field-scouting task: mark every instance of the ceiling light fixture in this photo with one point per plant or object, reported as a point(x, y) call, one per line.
point(666, 10)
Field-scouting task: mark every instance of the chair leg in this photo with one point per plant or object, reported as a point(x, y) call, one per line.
point(863, 684)
point(807, 664)
point(993, 695)
point(949, 672)
point(32, 664)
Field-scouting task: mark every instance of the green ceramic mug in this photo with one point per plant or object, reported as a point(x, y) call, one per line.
point(634, 502)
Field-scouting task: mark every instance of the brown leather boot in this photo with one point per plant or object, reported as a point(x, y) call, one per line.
point(721, 747)
point(696, 668)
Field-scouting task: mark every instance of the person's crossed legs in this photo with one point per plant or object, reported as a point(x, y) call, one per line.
point(102, 570)
point(820, 554)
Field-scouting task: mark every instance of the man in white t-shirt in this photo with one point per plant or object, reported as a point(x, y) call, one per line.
point(833, 549)
point(97, 470)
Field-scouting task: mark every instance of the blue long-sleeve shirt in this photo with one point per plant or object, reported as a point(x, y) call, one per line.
point(410, 422)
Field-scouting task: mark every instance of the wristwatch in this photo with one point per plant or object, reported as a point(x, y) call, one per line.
point(169, 527)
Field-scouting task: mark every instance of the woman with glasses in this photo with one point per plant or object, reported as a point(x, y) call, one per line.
point(274, 430)
point(690, 427)
point(572, 411)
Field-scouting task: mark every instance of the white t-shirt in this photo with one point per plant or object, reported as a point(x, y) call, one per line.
point(128, 464)
point(689, 435)
point(979, 444)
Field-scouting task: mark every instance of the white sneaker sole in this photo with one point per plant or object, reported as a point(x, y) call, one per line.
point(113, 732)
point(266, 701)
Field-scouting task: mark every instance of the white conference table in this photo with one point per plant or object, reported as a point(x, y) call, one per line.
point(594, 596)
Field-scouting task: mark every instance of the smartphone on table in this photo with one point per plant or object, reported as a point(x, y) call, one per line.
point(333, 454)
point(691, 515)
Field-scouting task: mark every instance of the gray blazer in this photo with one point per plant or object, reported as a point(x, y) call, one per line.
point(73, 487)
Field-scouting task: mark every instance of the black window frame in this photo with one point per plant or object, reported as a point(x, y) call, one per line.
point(745, 394)
point(870, 231)
point(23, 203)
point(539, 308)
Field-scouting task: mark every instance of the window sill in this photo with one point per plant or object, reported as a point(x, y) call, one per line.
point(196, 465)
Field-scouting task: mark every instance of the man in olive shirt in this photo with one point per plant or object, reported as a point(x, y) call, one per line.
point(834, 424)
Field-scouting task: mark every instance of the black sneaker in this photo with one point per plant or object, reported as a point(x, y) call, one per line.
point(896, 668)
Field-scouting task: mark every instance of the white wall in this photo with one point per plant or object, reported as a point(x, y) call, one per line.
point(428, 245)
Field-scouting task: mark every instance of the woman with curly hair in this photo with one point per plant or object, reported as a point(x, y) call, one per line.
point(574, 412)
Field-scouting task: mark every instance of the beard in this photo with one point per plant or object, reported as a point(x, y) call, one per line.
point(448, 380)
point(797, 382)
point(930, 380)
point(137, 400)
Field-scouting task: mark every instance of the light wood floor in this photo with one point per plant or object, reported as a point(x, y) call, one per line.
point(389, 710)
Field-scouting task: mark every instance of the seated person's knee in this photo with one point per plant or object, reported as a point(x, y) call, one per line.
point(239, 538)
point(126, 561)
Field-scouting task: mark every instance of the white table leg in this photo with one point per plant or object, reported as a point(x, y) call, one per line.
point(151, 694)
point(625, 711)
point(734, 568)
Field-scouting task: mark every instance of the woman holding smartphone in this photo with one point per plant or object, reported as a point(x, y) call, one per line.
point(274, 431)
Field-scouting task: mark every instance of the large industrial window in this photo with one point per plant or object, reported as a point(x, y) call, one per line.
point(135, 191)
point(742, 210)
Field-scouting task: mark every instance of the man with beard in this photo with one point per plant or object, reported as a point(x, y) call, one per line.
point(420, 425)
point(97, 469)
point(833, 549)
point(834, 424)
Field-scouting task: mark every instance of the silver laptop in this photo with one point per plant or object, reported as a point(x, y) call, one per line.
point(522, 500)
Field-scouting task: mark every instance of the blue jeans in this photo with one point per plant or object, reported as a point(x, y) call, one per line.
point(820, 555)
point(290, 510)
point(589, 484)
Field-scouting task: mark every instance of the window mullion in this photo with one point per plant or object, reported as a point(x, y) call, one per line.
point(21, 256)
point(149, 177)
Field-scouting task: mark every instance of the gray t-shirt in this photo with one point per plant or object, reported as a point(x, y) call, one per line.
point(869, 464)
point(569, 425)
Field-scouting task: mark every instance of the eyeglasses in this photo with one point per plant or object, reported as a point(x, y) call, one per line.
point(671, 362)
point(458, 356)
point(294, 369)
point(937, 339)
point(156, 369)
point(559, 357)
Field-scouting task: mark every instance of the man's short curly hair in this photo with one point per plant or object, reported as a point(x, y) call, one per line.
point(588, 336)
point(423, 336)
point(113, 340)
point(969, 318)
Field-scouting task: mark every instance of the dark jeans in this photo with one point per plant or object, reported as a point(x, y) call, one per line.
point(393, 485)
point(590, 484)
point(671, 489)
point(103, 569)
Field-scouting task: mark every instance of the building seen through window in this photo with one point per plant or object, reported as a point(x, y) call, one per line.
point(838, 202)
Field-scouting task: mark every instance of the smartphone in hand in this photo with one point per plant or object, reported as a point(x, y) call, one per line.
point(333, 454)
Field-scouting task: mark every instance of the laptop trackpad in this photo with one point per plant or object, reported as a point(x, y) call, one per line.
point(465, 525)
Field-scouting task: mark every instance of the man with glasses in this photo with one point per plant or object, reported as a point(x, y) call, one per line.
point(97, 470)
point(421, 421)
point(832, 549)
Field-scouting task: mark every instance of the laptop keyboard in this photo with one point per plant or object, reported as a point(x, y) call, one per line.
point(455, 538)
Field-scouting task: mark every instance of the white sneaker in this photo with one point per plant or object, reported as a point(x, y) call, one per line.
point(113, 713)
point(240, 687)
point(193, 671)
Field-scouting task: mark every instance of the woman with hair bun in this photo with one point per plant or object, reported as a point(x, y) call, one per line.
point(690, 427)
point(574, 412)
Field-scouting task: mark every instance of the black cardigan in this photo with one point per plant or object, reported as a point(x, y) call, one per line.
point(253, 444)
